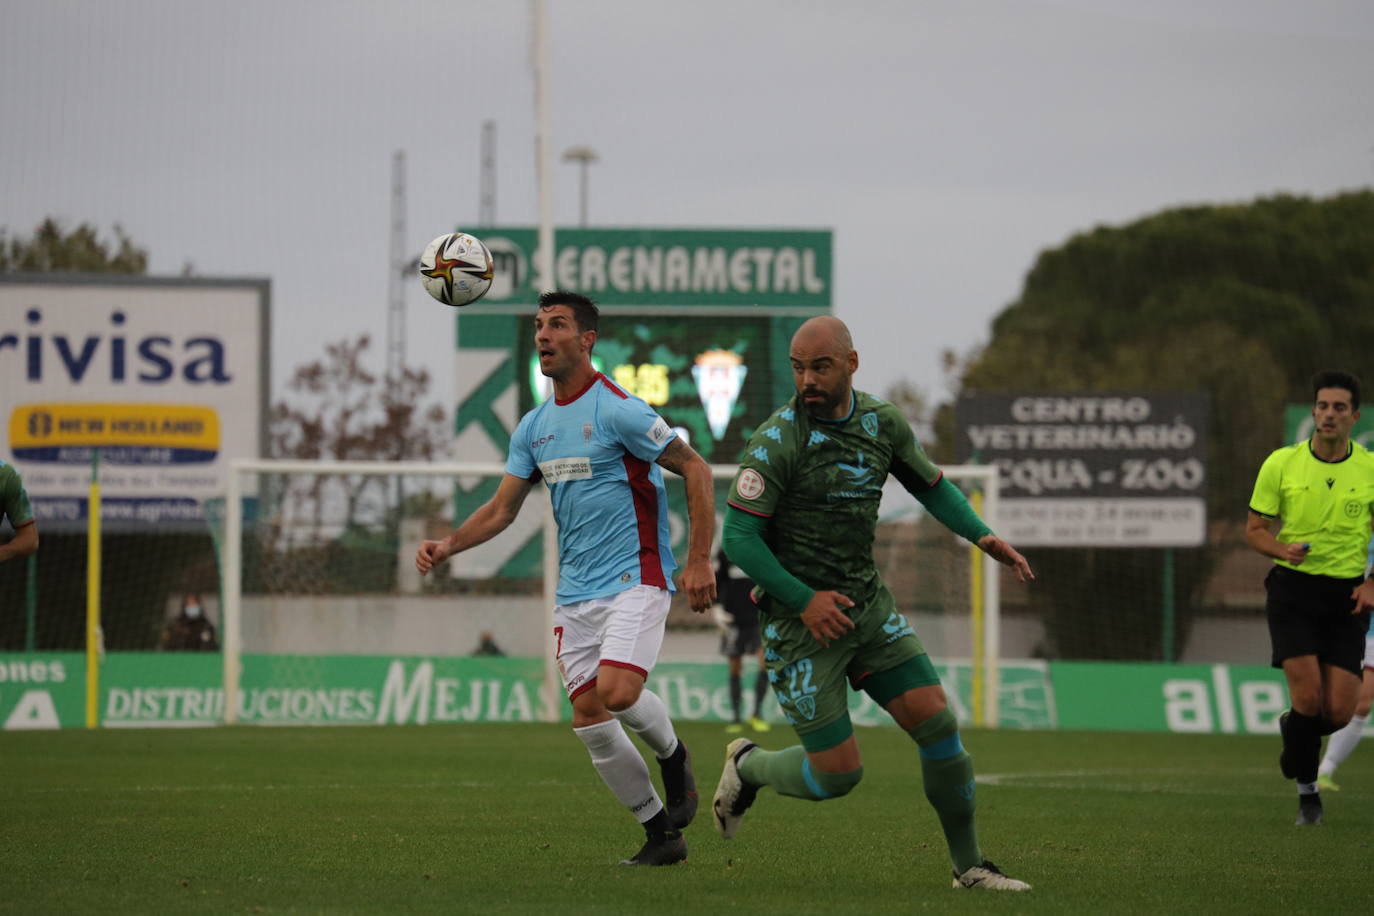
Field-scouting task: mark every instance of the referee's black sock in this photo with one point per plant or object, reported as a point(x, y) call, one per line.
point(760, 691)
point(1302, 743)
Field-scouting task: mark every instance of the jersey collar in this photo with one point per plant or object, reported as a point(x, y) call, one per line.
point(563, 402)
point(1349, 450)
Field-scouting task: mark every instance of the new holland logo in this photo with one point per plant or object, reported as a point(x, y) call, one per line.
point(719, 376)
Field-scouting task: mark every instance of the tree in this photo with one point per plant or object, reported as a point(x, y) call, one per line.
point(80, 250)
point(1241, 302)
point(343, 411)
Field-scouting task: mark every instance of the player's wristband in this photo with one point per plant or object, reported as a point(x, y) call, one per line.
point(744, 545)
point(946, 502)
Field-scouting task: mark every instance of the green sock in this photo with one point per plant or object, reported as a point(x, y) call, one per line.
point(947, 773)
point(784, 770)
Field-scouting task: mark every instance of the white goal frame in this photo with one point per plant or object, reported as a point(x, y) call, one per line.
point(988, 653)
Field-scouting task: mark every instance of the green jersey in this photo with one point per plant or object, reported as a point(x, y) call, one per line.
point(819, 483)
point(1323, 503)
point(14, 502)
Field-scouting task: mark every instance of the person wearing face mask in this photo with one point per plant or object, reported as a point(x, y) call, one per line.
point(190, 629)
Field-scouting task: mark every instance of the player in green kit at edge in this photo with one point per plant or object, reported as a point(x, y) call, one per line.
point(800, 522)
point(1318, 598)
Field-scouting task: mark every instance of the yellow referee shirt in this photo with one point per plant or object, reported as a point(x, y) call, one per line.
point(1323, 503)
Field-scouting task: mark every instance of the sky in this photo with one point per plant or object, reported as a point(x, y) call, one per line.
point(945, 144)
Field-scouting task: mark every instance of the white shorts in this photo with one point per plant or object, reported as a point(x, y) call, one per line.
point(624, 630)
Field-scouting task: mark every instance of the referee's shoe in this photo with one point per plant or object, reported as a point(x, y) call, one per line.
point(1309, 810)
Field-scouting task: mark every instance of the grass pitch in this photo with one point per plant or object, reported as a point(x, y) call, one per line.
point(513, 819)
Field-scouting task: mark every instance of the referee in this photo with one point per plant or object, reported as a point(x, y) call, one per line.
point(1318, 597)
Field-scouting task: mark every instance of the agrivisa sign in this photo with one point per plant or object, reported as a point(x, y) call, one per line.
point(167, 378)
point(664, 267)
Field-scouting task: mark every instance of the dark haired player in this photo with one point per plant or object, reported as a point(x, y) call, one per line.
point(1318, 598)
point(599, 451)
point(801, 519)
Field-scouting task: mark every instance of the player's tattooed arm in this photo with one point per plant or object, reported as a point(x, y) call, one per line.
point(675, 456)
point(698, 579)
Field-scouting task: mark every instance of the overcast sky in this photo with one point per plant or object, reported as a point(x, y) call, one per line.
point(945, 143)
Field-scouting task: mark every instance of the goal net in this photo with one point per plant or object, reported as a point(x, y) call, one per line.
point(318, 565)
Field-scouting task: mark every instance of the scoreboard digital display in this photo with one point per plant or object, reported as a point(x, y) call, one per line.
point(714, 377)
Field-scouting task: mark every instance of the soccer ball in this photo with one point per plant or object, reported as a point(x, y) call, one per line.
point(456, 268)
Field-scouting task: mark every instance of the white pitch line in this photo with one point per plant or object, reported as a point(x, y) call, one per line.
point(1080, 780)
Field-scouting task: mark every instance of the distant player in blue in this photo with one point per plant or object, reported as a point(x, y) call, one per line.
point(599, 450)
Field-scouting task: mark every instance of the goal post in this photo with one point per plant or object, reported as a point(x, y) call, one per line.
point(298, 512)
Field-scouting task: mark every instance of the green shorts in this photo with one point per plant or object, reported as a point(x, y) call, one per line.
point(811, 681)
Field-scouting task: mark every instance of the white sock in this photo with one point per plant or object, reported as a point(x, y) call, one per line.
point(621, 767)
point(1341, 743)
point(1307, 788)
point(648, 718)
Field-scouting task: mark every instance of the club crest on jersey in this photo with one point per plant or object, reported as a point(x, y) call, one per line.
point(869, 422)
point(750, 484)
point(807, 706)
point(587, 432)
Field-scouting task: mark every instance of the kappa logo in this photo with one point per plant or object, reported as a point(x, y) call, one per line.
point(817, 437)
point(761, 454)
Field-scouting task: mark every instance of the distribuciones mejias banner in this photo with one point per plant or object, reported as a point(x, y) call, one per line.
point(168, 690)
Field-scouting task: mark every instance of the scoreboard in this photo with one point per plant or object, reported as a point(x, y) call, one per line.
point(714, 378)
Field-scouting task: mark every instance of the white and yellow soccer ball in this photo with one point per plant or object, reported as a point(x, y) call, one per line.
point(456, 268)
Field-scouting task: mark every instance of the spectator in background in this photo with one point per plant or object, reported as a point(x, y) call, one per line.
point(486, 645)
point(190, 630)
point(14, 505)
point(738, 619)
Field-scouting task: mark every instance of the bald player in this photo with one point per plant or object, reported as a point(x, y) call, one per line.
point(800, 522)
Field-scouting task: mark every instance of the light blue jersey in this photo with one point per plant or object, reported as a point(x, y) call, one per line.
point(595, 452)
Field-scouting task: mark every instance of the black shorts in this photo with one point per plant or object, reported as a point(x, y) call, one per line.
point(738, 642)
point(1310, 615)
